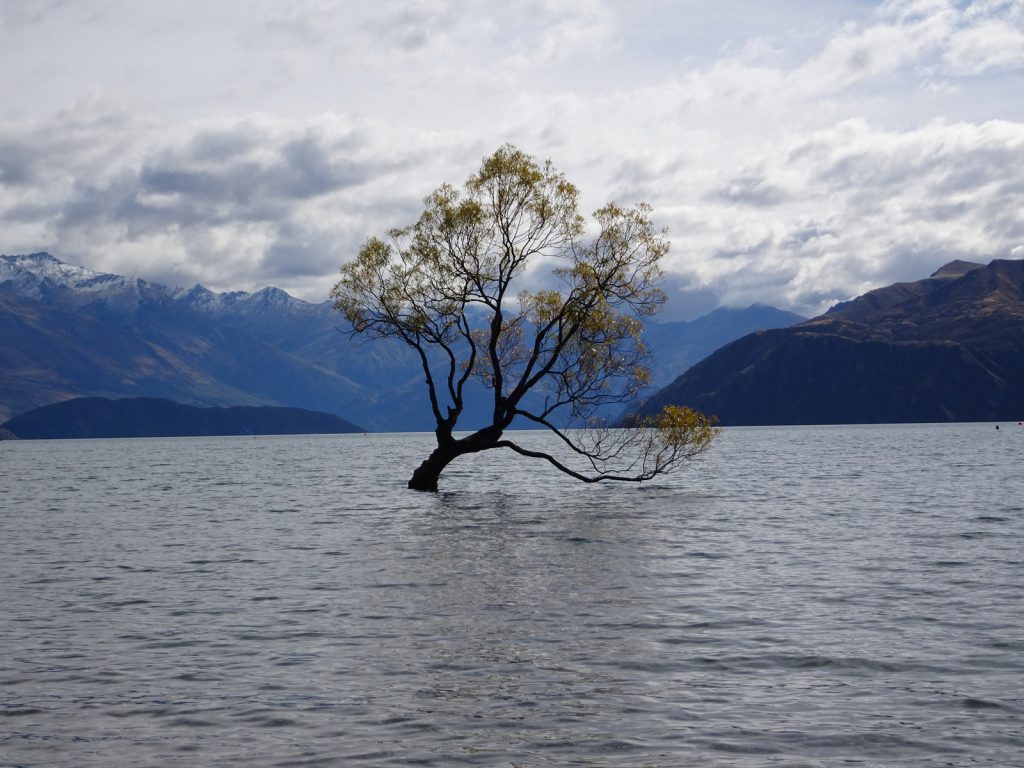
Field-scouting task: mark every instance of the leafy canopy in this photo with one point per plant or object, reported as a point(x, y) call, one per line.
point(449, 286)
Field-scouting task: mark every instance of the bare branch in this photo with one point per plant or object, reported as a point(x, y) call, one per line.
point(571, 472)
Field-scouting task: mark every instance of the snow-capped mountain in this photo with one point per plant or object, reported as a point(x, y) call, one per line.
point(37, 267)
point(37, 275)
point(41, 276)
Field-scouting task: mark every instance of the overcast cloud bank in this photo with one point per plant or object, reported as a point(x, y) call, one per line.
point(797, 158)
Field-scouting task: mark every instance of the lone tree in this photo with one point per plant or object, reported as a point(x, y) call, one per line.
point(446, 286)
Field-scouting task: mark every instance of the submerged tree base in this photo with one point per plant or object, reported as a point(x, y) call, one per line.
point(448, 449)
point(427, 474)
point(419, 482)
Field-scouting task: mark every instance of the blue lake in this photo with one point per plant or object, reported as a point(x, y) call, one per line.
point(802, 596)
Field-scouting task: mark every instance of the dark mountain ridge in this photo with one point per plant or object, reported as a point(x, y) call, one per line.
point(946, 348)
point(91, 417)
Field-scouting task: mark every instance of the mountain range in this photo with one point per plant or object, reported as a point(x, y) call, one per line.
point(67, 331)
point(949, 347)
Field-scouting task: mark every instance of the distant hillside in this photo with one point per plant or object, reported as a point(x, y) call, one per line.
point(86, 417)
point(675, 346)
point(946, 348)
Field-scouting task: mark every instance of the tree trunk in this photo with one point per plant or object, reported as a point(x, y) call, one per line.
point(426, 474)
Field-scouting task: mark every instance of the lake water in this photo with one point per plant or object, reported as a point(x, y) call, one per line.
point(812, 596)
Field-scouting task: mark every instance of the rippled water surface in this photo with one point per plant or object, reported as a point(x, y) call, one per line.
point(801, 597)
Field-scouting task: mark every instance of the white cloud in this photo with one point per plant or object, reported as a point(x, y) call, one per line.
point(879, 206)
point(992, 45)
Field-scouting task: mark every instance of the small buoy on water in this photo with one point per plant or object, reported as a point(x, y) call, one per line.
point(997, 426)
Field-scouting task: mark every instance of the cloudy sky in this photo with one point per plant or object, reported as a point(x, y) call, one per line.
point(799, 152)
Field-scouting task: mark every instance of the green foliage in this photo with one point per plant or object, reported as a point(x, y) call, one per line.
point(679, 428)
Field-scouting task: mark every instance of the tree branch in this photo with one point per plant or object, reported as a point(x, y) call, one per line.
point(571, 472)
